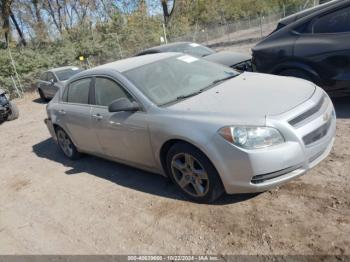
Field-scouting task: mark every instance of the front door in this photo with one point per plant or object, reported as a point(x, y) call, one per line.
point(122, 135)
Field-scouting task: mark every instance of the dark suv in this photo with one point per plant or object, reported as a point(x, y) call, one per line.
point(313, 44)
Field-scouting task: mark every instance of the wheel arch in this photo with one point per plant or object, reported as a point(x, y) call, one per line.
point(297, 65)
point(169, 143)
point(55, 126)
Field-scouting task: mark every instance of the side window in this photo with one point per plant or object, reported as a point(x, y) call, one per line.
point(78, 91)
point(51, 77)
point(336, 22)
point(106, 91)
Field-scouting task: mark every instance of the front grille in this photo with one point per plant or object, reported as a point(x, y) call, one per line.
point(295, 121)
point(244, 66)
point(258, 179)
point(4, 111)
point(318, 133)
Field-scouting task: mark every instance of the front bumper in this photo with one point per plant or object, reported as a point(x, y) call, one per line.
point(247, 171)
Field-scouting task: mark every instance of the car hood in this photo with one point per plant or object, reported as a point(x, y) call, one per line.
point(227, 58)
point(249, 96)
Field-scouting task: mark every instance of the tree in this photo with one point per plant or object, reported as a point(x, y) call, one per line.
point(166, 13)
point(6, 13)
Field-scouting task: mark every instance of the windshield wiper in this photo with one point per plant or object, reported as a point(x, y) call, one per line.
point(203, 89)
point(217, 81)
point(223, 79)
point(181, 97)
point(188, 95)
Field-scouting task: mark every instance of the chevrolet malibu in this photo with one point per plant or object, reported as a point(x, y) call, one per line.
point(208, 127)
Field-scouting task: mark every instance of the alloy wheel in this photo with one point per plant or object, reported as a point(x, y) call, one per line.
point(190, 174)
point(65, 143)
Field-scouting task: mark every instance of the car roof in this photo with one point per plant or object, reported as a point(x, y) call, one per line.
point(328, 5)
point(60, 68)
point(129, 63)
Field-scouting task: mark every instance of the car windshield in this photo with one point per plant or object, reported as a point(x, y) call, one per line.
point(65, 74)
point(178, 77)
point(193, 49)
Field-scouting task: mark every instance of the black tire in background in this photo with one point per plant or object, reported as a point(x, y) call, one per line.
point(212, 184)
point(66, 145)
point(14, 112)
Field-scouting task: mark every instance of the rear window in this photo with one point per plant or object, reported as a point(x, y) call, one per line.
point(78, 91)
point(192, 49)
point(65, 74)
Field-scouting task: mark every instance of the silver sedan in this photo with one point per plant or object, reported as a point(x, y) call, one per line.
point(209, 128)
point(50, 81)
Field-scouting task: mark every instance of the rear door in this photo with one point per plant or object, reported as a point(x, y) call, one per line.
point(75, 115)
point(122, 135)
point(324, 43)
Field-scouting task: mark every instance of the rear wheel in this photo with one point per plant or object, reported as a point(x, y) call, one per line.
point(193, 173)
point(297, 73)
point(14, 112)
point(66, 144)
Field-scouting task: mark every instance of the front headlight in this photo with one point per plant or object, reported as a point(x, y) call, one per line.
point(251, 137)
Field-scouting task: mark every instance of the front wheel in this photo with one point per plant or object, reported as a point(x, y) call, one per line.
point(193, 173)
point(66, 144)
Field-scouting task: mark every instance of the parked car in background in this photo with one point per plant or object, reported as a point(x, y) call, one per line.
point(210, 128)
point(313, 45)
point(8, 109)
point(53, 79)
point(234, 60)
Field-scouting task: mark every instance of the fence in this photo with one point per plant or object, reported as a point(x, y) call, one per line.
point(247, 29)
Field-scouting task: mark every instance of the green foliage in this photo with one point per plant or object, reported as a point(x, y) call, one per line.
point(126, 33)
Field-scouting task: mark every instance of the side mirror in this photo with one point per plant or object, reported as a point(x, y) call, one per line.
point(123, 104)
point(52, 81)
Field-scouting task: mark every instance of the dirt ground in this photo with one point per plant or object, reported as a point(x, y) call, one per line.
point(51, 205)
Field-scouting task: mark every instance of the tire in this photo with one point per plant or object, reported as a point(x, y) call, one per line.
point(42, 96)
point(297, 73)
point(66, 145)
point(14, 112)
point(193, 173)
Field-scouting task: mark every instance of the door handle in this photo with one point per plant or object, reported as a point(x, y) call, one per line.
point(62, 112)
point(97, 117)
